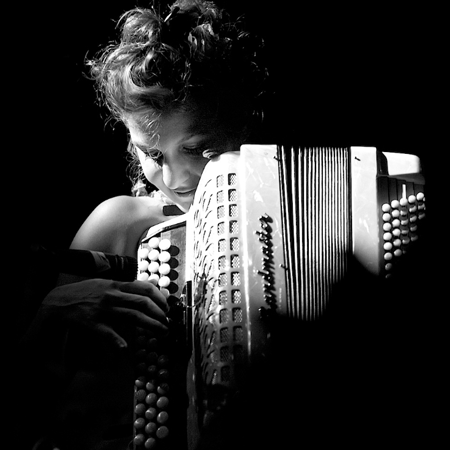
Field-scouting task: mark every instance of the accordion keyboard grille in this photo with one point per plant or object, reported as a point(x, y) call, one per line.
point(315, 203)
point(219, 277)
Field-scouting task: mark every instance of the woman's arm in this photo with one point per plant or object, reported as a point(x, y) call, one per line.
point(115, 227)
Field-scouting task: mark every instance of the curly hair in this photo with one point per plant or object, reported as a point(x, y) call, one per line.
point(195, 57)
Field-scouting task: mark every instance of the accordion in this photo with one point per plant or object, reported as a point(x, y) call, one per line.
point(272, 231)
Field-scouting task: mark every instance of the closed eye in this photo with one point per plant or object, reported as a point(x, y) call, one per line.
point(194, 150)
point(154, 154)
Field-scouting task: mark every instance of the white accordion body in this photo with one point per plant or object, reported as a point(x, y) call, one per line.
point(269, 234)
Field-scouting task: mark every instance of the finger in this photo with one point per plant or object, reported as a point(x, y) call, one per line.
point(139, 319)
point(137, 303)
point(110, 335)
point(148, 290)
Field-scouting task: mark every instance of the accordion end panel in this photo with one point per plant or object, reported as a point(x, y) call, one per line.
point(388, 208)
point(236, 224)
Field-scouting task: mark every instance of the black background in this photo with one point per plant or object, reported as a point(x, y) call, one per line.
point(341, 76)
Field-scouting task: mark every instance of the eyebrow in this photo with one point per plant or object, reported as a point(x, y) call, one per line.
point(199, 137)
point(144, 148)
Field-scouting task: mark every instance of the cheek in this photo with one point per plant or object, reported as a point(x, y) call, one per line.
point(151, 171)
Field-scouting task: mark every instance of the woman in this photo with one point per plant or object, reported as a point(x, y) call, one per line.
point(185, 87)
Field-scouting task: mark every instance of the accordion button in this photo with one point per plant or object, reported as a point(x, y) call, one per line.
point(395, 203)
point(163, 360)
point(162, 432)
point(150, 387)
point(388, 266)
point(396, 223)
point(164, 269)
point(164, 244)
point(143, 276)
point(139, 423)
point(386, 207)
point(151, 413)
point(164, 281)
point(412, 199)
point(387, 246)
point(154, 242)
point(140, 395)
point(162, 403)
point(150, 443)
point(395, 213)
point(420, 196)
point(387, 227)
point(397, 243)
point(164, 256)
point(163, 389)
point(143, 252)
point(163, 417)
point(388, 256)
point(163, 374)
point(403, 201)
point(150, 428)
point(154, 278)
point(153, 267)
point(151, 399)
point(398, 252)
point(143, 265)
point(387, 236)
point(140, 382)
point(139, 439)
point(140, 408)
point(153, 255)
point(386, 217)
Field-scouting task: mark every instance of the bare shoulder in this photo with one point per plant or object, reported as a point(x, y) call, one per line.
point(116, 225)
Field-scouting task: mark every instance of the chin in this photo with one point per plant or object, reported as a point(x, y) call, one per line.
point(184, 206)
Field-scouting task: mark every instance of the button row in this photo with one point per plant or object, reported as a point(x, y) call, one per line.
point(400, 223)
point(151, 394)
point(154, 264)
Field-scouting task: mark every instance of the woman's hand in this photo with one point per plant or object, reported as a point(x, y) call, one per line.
point(104, 305)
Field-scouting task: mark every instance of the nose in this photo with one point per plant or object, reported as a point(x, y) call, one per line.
point(175, 171)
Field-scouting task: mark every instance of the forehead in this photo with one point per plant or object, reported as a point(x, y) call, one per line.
point(176, 126)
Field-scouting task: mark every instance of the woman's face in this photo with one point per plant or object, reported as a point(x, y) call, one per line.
point(174, 162)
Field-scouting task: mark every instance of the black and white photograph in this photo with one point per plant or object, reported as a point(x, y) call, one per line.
point(228, 226)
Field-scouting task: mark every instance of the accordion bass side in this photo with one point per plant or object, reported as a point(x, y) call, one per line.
point(271, 232)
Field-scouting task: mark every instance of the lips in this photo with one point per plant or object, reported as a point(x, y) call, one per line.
point(185, 193)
